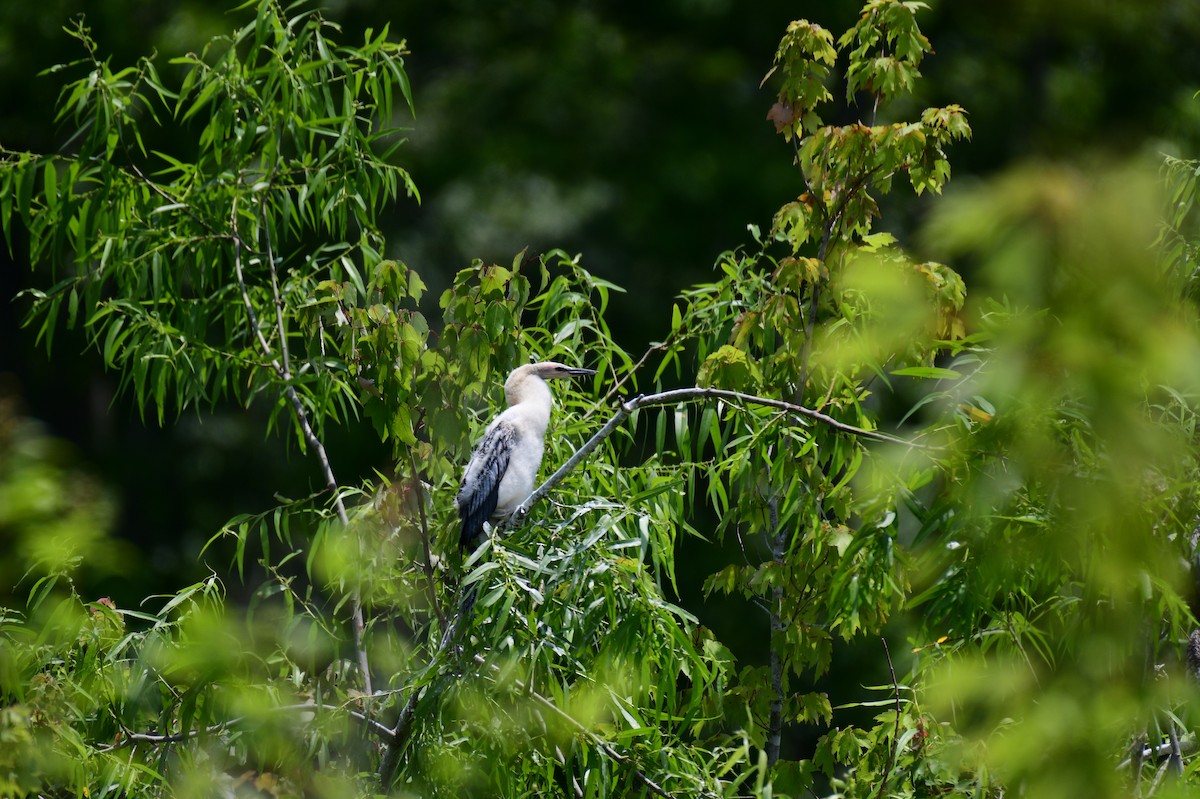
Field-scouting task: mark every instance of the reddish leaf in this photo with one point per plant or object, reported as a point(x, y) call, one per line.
point(783, 115)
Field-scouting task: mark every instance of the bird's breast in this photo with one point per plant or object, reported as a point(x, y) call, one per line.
point(519, 478)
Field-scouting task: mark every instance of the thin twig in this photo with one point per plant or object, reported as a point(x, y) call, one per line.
point(737, 531)
point(309, 435)
point(430, 577)
point(1158, 778)
point(818, 201)
point(357, 622)
point(161, 192)
point(1176, 758)
point(806, 595)
point(831, 223)
point(1139, 757)
point(887, 772)
point(155, 739)
point(241, 279)
point(279, 324)
point(398, 737)
point(775, 717)
point(283, 370)
point(612, 392)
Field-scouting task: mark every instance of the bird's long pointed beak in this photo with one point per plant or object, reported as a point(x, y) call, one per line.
point(576, 372)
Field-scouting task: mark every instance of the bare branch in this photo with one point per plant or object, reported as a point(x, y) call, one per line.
point(401, 732)
point(161, 192)
point(1175, 760)
point(397, 738)
point(1139, 757)
point(279, 323)
point(1142, 752)
point(241, 279)
point(624, 409)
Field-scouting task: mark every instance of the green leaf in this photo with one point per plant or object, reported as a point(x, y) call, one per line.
point(929, 372)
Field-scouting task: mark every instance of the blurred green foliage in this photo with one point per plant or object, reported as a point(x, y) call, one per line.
point(1072, 512)
point(54, 517)
point(1028, 523)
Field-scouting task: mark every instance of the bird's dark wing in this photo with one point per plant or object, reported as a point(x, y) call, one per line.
point(480, 489)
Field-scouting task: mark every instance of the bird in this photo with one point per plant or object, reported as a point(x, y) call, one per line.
point(502, 469)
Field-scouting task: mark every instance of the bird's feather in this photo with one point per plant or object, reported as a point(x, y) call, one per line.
point(479, 494)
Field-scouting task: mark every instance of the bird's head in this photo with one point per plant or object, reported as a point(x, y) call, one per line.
point(516, 387)
point(548, 370)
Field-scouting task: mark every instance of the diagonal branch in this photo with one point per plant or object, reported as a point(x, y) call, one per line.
point(1142, 751)
point(397, 737)
point(279, 323)
point(653, 348)
point(402, 731)
point(625, 409)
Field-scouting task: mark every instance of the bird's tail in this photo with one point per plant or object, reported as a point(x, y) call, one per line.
point(471, 531)
point(466, 606)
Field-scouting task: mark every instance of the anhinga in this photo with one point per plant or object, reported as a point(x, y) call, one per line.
point(502, 470)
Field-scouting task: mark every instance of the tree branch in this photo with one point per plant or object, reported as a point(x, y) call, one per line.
point(1139, 758)
point(1176, 758)
point(397, 738)
point(430, 578)
point(887, 772)
point(279, 324)
point(612, 391)
point(402, 731)
point(398, 735)
point(832, 218)
point(1142, 752)
point(624, 409)
point(306, 428)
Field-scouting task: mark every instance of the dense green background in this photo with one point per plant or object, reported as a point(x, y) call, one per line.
point(634, 134)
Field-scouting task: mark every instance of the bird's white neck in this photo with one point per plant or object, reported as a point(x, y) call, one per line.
point(533, 395)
